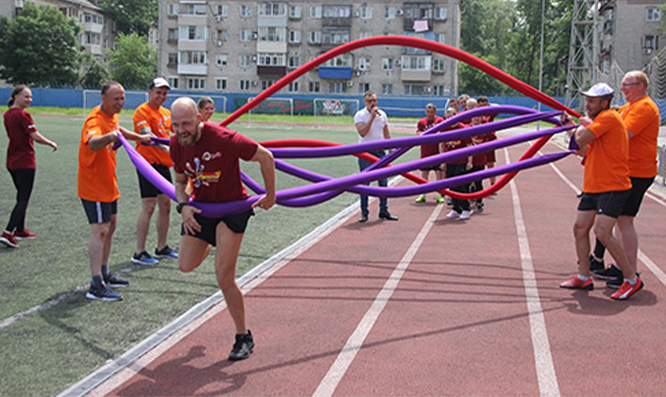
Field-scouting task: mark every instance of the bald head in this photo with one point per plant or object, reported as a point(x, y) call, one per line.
point(185, 119)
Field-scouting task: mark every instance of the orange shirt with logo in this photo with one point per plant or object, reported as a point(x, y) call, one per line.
point(607, 164)
point(97, 179)
point(159, 122)
point(642, 119)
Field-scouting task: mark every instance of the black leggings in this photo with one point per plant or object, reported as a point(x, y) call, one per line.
point(24, 179)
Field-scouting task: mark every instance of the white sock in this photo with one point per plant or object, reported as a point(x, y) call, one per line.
point(583, 278)
point(631, 281)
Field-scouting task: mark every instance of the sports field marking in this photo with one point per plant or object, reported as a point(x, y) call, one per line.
point(355, 341)
point(661, 276)
point(542, 357)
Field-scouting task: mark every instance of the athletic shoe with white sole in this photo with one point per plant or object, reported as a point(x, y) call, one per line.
point(465, 215)
point(115, 282)
point(8, 240)
point(611, 273)
point(105, 294)
point(166, 252)
point(627, 289)
point(576, 283)
point(453, 214)
point(144, 258)
point(24, 235)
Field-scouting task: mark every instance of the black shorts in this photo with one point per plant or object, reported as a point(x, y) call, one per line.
point(607, 203)
point(147, 188)
point(437, 167)
point(99, 212)
point(638, 188)
point(237, 223)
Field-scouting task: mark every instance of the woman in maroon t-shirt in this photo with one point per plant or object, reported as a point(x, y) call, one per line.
point(21, 162)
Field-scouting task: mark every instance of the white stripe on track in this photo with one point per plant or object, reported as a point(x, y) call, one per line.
point(661, 276)
point(355, 341)
point(543, 359)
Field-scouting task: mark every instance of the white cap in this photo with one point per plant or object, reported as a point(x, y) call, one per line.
point(159, 82)
point(599, 89)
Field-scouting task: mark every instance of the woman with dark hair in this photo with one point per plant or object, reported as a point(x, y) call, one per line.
point(21, 162)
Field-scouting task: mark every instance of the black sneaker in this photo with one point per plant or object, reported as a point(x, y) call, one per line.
point(144, 258)
point(595, 265)
point(114, 282)
point(105, 294)
point(616, 282)
point(166, 252)
point(611, 273)
point(243, 347)
point(479, 207)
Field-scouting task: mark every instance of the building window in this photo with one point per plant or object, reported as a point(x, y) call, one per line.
point(245, 11)
point(363, 87)
point(336, 11)
point(173, 82)
point(315, 37)
point(315, 12)
point(364, 64)
point(387, 89)
point(193, 33)
point(196, 84)
point(221, 35)
point(294, 36)
point(221, 60)
point(172, 9)
point(266, 59)
point(192, 58)
point(172, 35)
point(272, 10)
point(245, 35)
point(650, 44)
point(272, 34)
point(244, 85)
point(293, 87)
point(341, 61)
point(337, 88)
point(365, 35)
point(387, 63)
point(244, 60)
point(440, 38)
point(221, 83)
point(93, 38)
point(439, 90)
point(439, 65)
point(366, 12)
point(415, 63)
point(440, 13)
point(413, 89)
point(389, 12)
point(313, 86)
point(194, 9)
point(222, 10)
point(265, 84)
point(653, 15)
point(173, 58)
point(295, 12)
point(294, 62)
point(335, 36)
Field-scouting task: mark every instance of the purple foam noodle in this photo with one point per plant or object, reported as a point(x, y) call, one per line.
point(147, 170)
point(407, 142)
point(485, 110)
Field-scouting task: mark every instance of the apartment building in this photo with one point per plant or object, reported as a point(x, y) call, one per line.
point(246, 46)
point(97, 32)
point(631, 33)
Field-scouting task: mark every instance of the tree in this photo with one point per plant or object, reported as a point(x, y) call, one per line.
point(39, 47)
point(132, 16)
point(95, 72)
point(134, 62)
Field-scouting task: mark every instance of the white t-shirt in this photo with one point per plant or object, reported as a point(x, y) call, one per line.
point(376, 132)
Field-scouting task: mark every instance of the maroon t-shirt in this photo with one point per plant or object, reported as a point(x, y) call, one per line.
point(481, 158)
point(212, 163)
point(424, 125)
point(21, 150)
point(453, 145)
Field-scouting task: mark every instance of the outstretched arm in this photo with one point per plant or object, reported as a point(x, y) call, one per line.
point(39, 138)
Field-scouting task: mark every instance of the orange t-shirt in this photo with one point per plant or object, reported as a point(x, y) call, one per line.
point(607, 164)
point(97, 179)
point(159, 122)
point(642, 118)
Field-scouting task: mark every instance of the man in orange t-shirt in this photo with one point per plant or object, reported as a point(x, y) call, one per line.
point(641, 119)
point(98, 188)
point(154, 120)
point(606, 187)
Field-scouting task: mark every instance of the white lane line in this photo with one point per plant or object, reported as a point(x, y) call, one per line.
point(355, 341)
point(543, 359)
point(661, 276)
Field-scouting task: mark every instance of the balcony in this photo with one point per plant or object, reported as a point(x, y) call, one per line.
point(332, 72)
point(273, 71)
point(193, 69)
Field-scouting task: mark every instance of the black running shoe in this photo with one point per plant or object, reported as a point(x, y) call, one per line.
point(612, 273)
point(115, 282)
point(243, 347)
point(595, 265)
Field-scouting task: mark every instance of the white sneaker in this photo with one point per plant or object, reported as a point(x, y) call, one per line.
point(465, 215)
point(453, 214)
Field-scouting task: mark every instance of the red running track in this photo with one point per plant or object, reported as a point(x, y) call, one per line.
point(429, 306)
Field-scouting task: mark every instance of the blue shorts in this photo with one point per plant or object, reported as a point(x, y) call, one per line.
point(98, 211)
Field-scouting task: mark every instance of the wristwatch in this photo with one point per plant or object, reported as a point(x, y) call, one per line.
point(179, 206)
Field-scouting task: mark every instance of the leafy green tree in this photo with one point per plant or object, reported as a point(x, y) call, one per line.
point(132, 16)
point(95, 72)
point(133, 63)
point(39, 47)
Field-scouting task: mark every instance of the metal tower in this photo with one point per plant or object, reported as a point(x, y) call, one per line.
point(583, 51)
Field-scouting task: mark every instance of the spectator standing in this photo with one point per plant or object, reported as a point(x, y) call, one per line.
point(431, 149)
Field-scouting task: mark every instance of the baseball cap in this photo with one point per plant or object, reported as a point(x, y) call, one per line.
point(159, 82)
point(598, 90)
